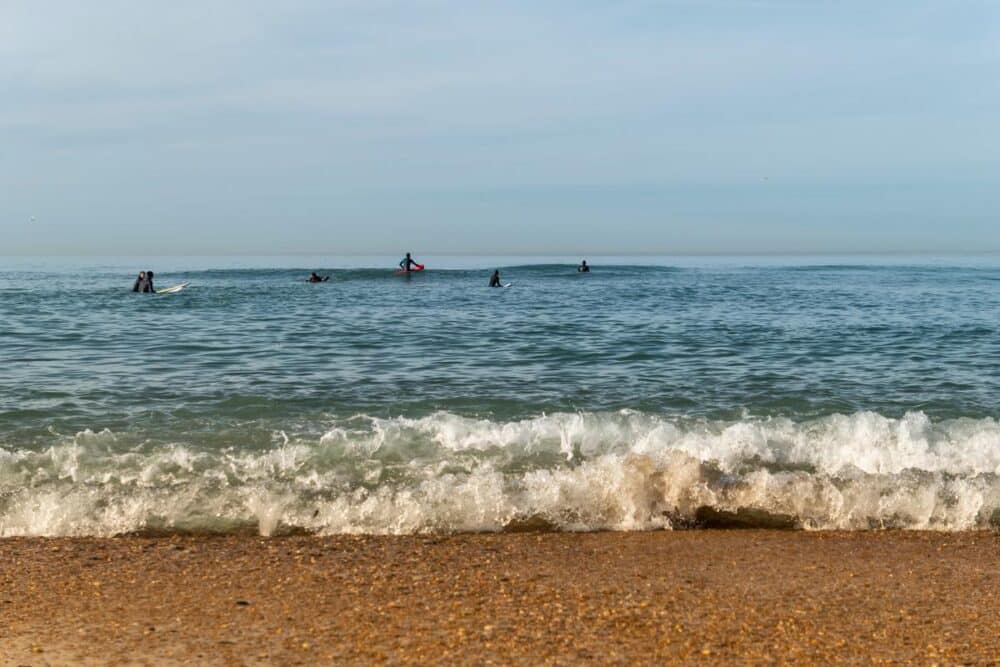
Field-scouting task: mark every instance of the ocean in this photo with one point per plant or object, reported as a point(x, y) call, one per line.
point(652, 393)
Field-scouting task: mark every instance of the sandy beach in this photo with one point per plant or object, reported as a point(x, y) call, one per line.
point(551, 598)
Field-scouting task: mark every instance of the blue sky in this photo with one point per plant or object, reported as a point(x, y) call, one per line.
point(496, 128)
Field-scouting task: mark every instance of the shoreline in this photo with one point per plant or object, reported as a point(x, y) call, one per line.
point(665, 596)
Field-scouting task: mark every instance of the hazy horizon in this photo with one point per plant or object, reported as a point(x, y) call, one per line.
point(663, 255)
point(351, 128)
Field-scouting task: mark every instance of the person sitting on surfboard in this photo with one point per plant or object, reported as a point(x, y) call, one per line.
point(148, 285)
point(139, 282)
point(313, 278)
point(407, 263)
point(583, 268)
point(495, 279)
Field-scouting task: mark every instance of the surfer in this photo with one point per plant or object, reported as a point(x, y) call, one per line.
point(495, 279)
point(314, 278)
point(148, 285)
point(407, 263)
point(583, 268)
point(139, 282)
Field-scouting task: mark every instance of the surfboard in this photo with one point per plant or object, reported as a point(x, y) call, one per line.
point(173, 290)
point(416, 267)
point(508, 284)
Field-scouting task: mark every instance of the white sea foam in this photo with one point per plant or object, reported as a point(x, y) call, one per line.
point(444, 472)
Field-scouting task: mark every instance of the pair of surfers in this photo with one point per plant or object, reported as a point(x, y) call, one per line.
point(144, 283)
point(495, 278)
point(406, 264)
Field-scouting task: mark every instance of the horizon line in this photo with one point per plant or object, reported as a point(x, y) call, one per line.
point(805, 253)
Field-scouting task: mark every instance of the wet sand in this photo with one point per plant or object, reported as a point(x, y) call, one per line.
point(620, 598)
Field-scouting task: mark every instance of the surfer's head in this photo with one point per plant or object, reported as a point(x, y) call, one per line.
point(142, 274)
point(149, 273)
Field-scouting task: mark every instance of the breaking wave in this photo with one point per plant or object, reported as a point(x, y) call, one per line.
point(570, 471)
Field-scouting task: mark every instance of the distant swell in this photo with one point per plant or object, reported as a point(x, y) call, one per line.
point(589, 471)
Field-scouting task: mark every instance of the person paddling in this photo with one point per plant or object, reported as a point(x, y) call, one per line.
point(314, 278)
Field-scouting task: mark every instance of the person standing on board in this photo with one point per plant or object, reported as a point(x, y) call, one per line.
point(406, 263)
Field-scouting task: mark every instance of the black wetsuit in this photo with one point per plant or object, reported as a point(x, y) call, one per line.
point(495, 280)
point(147, 284)
point(139, 282)
point(406, 263)
point(583, 268)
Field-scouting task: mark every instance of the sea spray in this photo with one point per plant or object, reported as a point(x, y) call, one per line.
point(444, 472)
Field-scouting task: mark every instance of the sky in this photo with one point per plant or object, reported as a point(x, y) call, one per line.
point(370, 127)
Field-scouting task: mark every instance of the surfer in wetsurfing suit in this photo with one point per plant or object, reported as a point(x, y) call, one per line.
point(406, 263)
point(148, 285)
point(495, 279)
point(313, 278)
point(139, 282)
point(583, 268)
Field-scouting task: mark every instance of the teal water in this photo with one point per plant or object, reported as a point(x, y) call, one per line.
point(843, 392)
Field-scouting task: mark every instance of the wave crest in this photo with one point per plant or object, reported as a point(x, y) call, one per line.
point(569, 471)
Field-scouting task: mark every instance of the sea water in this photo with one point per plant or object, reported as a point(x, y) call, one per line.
point(847, 392)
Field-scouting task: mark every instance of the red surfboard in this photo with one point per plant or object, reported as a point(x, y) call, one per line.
point(416, 267)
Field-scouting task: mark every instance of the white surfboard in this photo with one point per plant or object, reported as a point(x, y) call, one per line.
point(507, 284)
point(173, 290)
